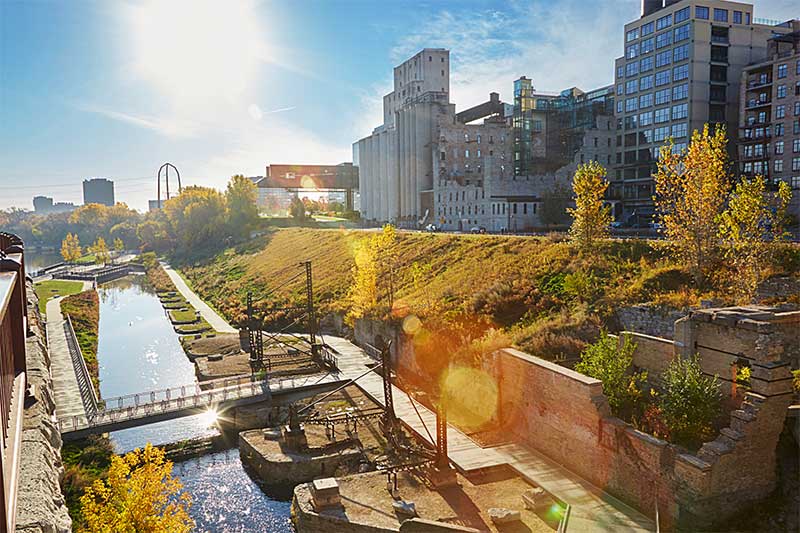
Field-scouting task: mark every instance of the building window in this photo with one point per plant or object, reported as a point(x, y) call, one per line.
point(662, 78)
point(701, 12)
point(737, 17)
point(779, 148)
point(630, 86)
point(720, 15)
point(662, 115)
point(795, 164)
point(632, 51)
point(647, 29)
point(681, 15)
point(680, 111)
point(680, 73)
point(664, 22)
point(630, 104)
point(645, 100)
point(795, 182)
point(632, 69)
point(681, 33)
point(645, 82)
point(646, 46)
point(781, 92)
point(620, 89)
point(646, 64)
point(466, 154)
point(679, 53)
point(645, 119)
point(466, 137)
point(778, 165)
point(662, 96)
point(797, 108)
point(478, 139)
point(780, 111)
point(779, 130)
point(663, 58)
point(619, 107)
point(632, 35)
point(660, 134)
point(782, 70)
point(679, 92)
point(679, 130)
point(796, 146)
point(663, 39)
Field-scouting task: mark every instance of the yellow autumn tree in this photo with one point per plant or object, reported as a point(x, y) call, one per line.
point(70, 248)
point(373, 257)
point(748, 228)
point(691, 189)
point(100, 251)
point(591, 219)
point(139, 496)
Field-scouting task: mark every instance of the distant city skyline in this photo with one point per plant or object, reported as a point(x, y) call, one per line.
point(117, 89)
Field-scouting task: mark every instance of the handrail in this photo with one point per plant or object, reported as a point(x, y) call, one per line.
point(85, 384)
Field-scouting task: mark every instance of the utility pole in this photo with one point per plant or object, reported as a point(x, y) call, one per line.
point(310, 311)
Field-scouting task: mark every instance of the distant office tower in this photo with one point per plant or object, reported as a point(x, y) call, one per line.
point(98, 191)
point(682, 67)
point(769, 116)
point(42, 204)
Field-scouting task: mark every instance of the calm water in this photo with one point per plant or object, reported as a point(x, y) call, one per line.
point(138, 351)
point(34, 260)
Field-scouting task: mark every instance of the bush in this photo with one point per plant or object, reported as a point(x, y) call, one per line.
point(610, 363)
point(690, 402)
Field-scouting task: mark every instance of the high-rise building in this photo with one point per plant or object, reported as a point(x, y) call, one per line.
point(769, 115)
point(42, 204)
point(682, 67)
point(396, 161)
point(98, 191)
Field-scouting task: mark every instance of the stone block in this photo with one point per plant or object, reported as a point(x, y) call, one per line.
point(536, 499)
point(442, 477)
point(404, 509)
point(502, 516)
point(325, 493)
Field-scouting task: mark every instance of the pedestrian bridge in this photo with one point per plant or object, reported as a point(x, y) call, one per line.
point(123, 412)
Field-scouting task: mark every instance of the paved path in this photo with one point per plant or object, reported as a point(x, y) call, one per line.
point(65, 384)
point(591, 508)
point(211, 316)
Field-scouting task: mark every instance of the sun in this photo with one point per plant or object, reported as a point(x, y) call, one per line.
point(196, 51)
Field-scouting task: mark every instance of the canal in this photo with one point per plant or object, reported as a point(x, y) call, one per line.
point(139, 351)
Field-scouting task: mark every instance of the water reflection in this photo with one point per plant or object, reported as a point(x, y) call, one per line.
point(36, 259)
point(138, 351)
point(226, 499)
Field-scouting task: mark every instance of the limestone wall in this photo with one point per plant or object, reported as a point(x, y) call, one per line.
point(566, 416)
point(652, 354)
point(40, 504)
point(650, 320)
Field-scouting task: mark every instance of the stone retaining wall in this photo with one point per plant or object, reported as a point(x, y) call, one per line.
point(653, 320)
point(40, 503)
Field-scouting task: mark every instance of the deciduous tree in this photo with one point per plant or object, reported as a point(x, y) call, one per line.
point(591, 218)
point(749, 226)
point(691, 189)
point(140, 496)
point(373, 262)
point(241, 197)
point(100, 251)
point(70, 248)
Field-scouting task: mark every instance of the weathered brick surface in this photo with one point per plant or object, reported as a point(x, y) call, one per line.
point(652, 354)
point(653, 320)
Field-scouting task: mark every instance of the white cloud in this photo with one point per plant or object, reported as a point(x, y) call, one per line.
point(170, 127)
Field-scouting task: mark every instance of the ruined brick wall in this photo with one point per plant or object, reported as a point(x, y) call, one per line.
point(652, 354)
point(651, 320)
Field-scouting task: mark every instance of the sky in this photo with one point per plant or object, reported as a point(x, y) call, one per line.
point(117, 88)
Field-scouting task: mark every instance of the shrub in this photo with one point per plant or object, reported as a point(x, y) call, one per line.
point(690, 402)
point(611, 363)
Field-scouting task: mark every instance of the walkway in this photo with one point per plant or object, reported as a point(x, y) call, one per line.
point(591, 508)
point(211, 316)
point(65, 384)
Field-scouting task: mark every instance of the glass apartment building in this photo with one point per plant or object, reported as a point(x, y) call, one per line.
point(682, 66)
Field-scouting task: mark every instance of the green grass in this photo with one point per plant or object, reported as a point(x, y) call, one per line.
point(84, 311)
point(85, 461)
point(183, 316)
point(47, 289)
point(88, 259)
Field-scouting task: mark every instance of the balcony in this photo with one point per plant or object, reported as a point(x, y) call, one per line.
point(755, 104)
point(13, 325)
point(754, 157)
point(758, 84)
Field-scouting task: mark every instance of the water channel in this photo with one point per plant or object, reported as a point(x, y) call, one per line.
point(139, 351)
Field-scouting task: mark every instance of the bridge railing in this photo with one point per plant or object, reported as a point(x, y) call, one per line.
point(85, 384)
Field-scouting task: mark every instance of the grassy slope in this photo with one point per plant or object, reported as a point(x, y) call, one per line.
point(47, 289)
point(548, 297)
point(84, 311)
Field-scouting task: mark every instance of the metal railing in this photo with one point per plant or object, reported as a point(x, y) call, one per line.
point(85, 383)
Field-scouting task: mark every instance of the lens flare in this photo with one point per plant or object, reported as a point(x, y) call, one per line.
point(470, 397)
point(209, 417)
point(411, 325)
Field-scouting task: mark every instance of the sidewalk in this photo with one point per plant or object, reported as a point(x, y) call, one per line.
point(65, 384)
point(211, 316)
